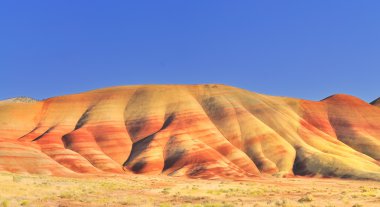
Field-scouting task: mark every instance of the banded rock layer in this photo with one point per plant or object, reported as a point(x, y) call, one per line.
point(205, 131)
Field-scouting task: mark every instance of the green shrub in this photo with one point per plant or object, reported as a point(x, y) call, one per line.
point(16, 178)
point(5, 203)
point(24, 203)
point(306, 198)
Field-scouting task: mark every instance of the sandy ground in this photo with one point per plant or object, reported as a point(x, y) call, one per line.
point(142, 190)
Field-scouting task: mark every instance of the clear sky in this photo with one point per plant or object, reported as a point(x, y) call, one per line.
point(306, 49)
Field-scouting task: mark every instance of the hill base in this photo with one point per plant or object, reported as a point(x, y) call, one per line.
point(142, 190)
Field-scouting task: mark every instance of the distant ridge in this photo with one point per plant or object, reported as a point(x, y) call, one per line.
point(20, 99)
point(376, 102)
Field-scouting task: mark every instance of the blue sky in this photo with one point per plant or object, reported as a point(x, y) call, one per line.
point(306, 49)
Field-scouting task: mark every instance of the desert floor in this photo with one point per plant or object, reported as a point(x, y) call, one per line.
point(142, 190)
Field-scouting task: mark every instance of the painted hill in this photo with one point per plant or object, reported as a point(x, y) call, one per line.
point(206, 131)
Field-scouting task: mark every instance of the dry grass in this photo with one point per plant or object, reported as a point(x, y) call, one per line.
point(133, 190)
